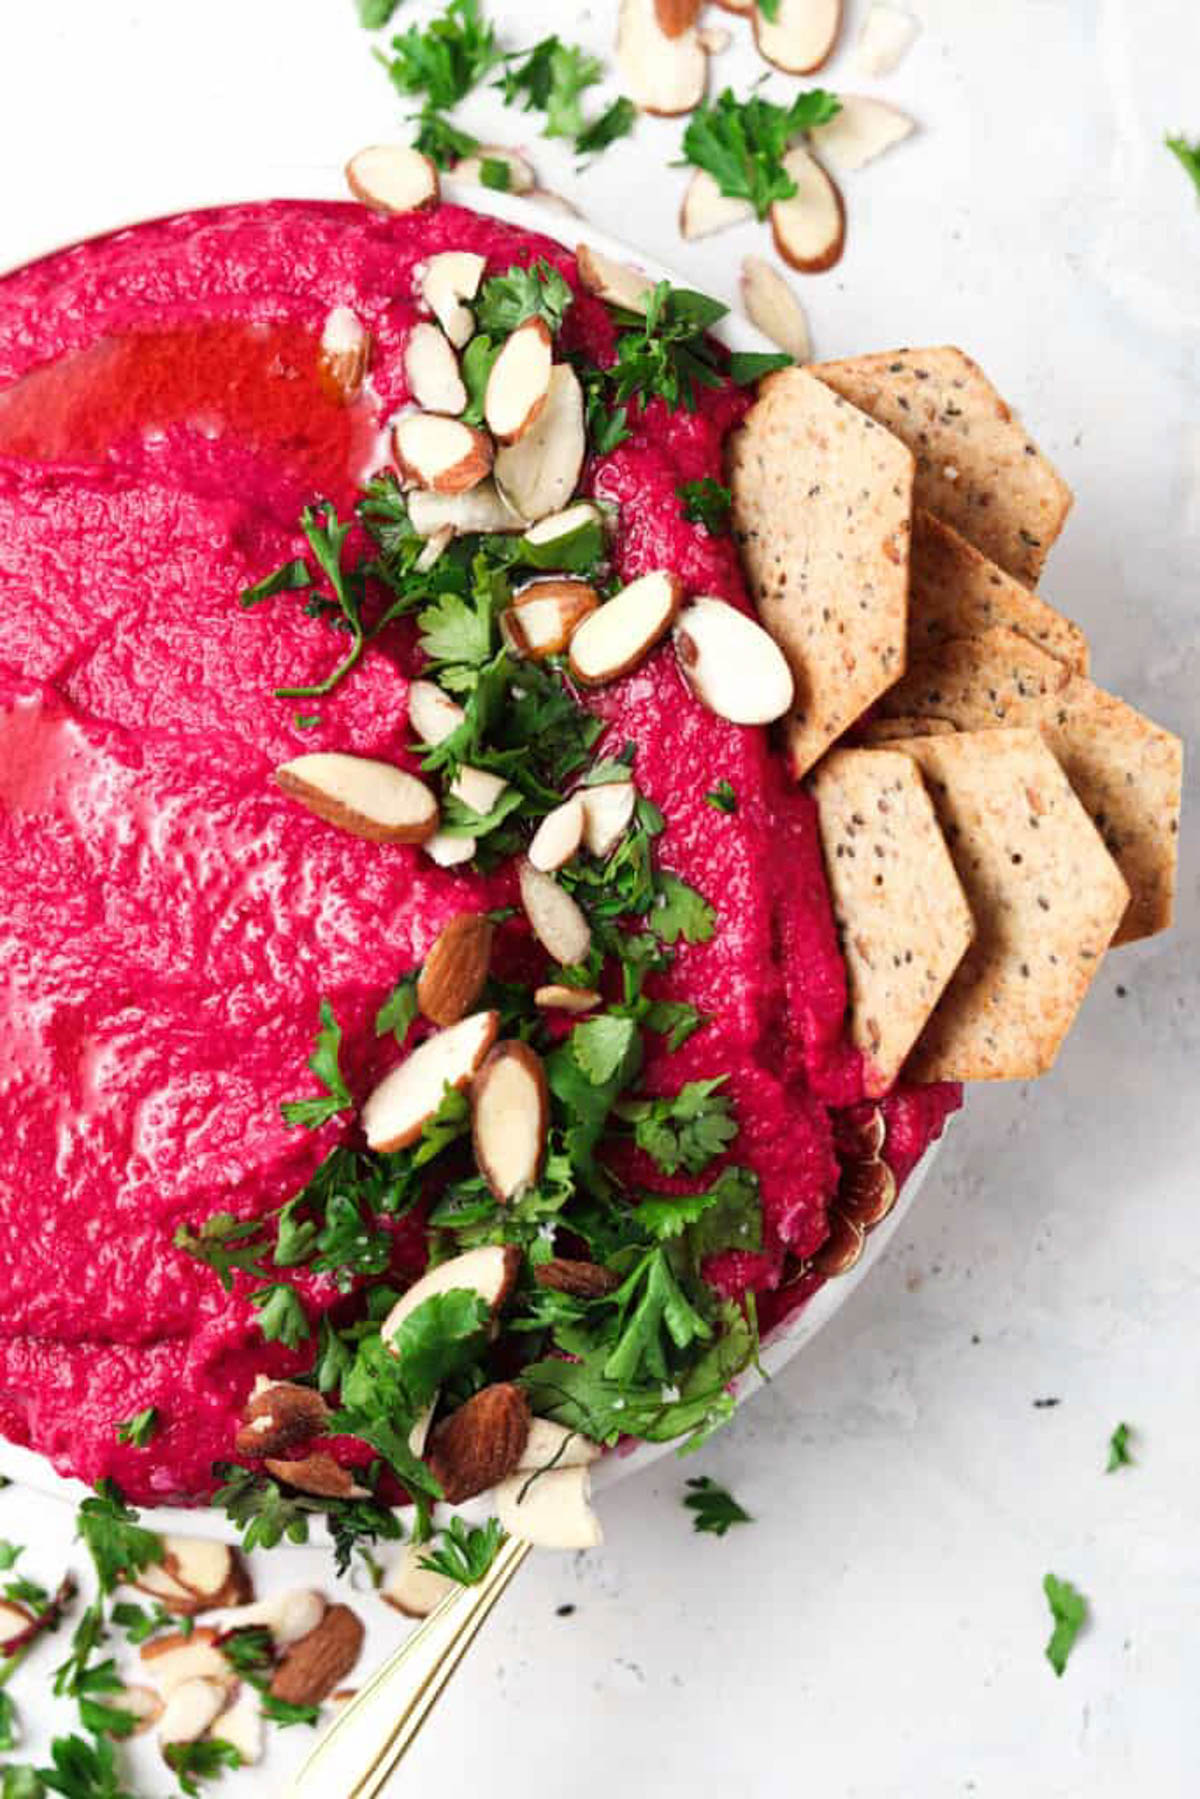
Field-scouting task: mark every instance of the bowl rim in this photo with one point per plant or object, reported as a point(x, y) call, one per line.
point(30, 1468)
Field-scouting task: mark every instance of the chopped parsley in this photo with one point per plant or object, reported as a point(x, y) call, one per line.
point(742, 143)
point(614, 123)
point(205, 1760)
point(141, 1429)
point(464, 1554)
point(681, 912)
point(1119, 1455)
point(325, 1063)
point(748, 366)
point(508, 300)
point(552, 78)
point(399, 1010)
point(706, 502)
point(1069, 1609)
point(444, 60)
point(281, 1315)
point(495, 173)
point(714, 1509)
point(1188, 154)
point(268, 1514)
point(685, 1133)
point(722, 798)
point(443, 143)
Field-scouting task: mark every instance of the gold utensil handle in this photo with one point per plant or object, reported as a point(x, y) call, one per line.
point(364, 1746)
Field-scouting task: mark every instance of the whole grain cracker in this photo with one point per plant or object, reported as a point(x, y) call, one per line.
point(902, 917)
point(976, 466)
point(911, 724)
point(1127, 771)
point(955, 591)
point(822, 508)
point(1045, 894)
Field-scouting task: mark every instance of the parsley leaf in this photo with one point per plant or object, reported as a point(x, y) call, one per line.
point(114, 1538)
point(508, 300)
point(465, 1554)
point(442, 142)
point(722, 798)
point(1068, 1608)
point(1118, 1450)
point(603, 1046)
point(447, 58)
point(292, 577)
point(616, 121)
point(140, 1429)
point(706, 503)
point(728, 1215)
point(20, 1782)
point(398, 1010)
point(205, 1760)
point(84, 1770)
point(266, 1514)
point(653, 1312)
point(325, 1064)
point(495, 173)
point(685, 1132)
point(551, 78)
point(742, 143)
point(284, 1714)
point(679, 911)
point(713, 1508)
point(281, 1315)
point(675, 1019)
point(666, 351)
point(748, 366)
point(1189, 157)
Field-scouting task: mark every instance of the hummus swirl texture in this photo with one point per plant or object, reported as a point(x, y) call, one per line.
point(169, 925)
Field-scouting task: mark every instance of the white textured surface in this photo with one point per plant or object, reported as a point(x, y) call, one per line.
point(878, 1633)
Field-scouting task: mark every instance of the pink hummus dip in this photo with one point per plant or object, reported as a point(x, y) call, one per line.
point(169, 925)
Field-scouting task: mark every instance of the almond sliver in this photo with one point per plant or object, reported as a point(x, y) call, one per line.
point(440, 453)
point(614, 639)
point(554, 918)
point(509, 1114)
point(393, 178)
point(406, 1099)
point(370, 799)
point(519, 381)
point(731, 664)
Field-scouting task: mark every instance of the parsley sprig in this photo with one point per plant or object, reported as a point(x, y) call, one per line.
point(714, 1509)
point(742, 143)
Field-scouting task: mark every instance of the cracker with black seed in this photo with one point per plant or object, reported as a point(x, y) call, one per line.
point(1045, 895)
point(911, 724)
point(977, 467)
point(822, 510)
point(1127, 770)
point(956, 591)
point(902, 917)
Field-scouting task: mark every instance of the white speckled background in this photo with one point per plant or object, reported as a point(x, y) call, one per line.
point(878, 1633)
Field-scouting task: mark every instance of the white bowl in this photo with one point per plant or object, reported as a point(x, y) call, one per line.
point(32, 1470)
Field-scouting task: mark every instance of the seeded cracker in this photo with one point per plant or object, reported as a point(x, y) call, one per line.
point(957, 592)
point(911, 724)
point(976, 466)
point(901, 913)
point(1126, 770)
point(822, 506)
point(1046, 898)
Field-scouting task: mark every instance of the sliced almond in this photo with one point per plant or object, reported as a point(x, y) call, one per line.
point(411, 1589)
point(277, 1415)
point(707, 210)
point(622, 632)
point(801, 36)
point(433, 715)
point(317, 1473)
point(731, 664)
point(206, 1568)
point(616, 283)
point(315, 1666)
point(552, 1510)
point(558, 527)
point(663, 74)
point(555, 997)
point(521, 177)
point(140, 1703)
point(449, 281)
point(449, 852)
point(608, 810)
point(345, 353)
point(558, 837)
point(175, 1661)
point(510, 1109)
point(477, 789)
point(456, 968)
point(160, 1583)
point(491, 1272)
point(432, 372)
point(189, 1711)
point(439, 453)
point(519, 381)
point(370, 799)
point(554, 918)
point(539, 474)
point(241, 1725)
point(434, 549)
point(810, 228)
point(550, 1445)
point(286, 1616)
point(887, 35)
point(545, 615)
point(862, 130)
point(481, 508)
point(405, 1100)
point(715, 39)
point(773, 307)
point(393, 178)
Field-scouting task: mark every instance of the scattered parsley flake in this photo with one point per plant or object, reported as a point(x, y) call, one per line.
point(674, 1019)
point(685, 1132)
point(464, 1553)
point(680, 911)
point(291, 578)
point(444, 60)
point(1188, 154)
point(1069, 1610)
point(495, 173)
point(714, 1509)
point(281, 1315)
point(1118, 1450)
point(508, 300)
point(722, 798)
point(205, 1760)
point(551, 78)
point(742, 143)
point(325, 1064)
point(614, 123)
point(443, 143)
point(399, 1010)
point(706, 502)
point(139, 1430)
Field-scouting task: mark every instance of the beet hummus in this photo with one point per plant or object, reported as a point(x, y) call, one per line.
point(170, 925)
